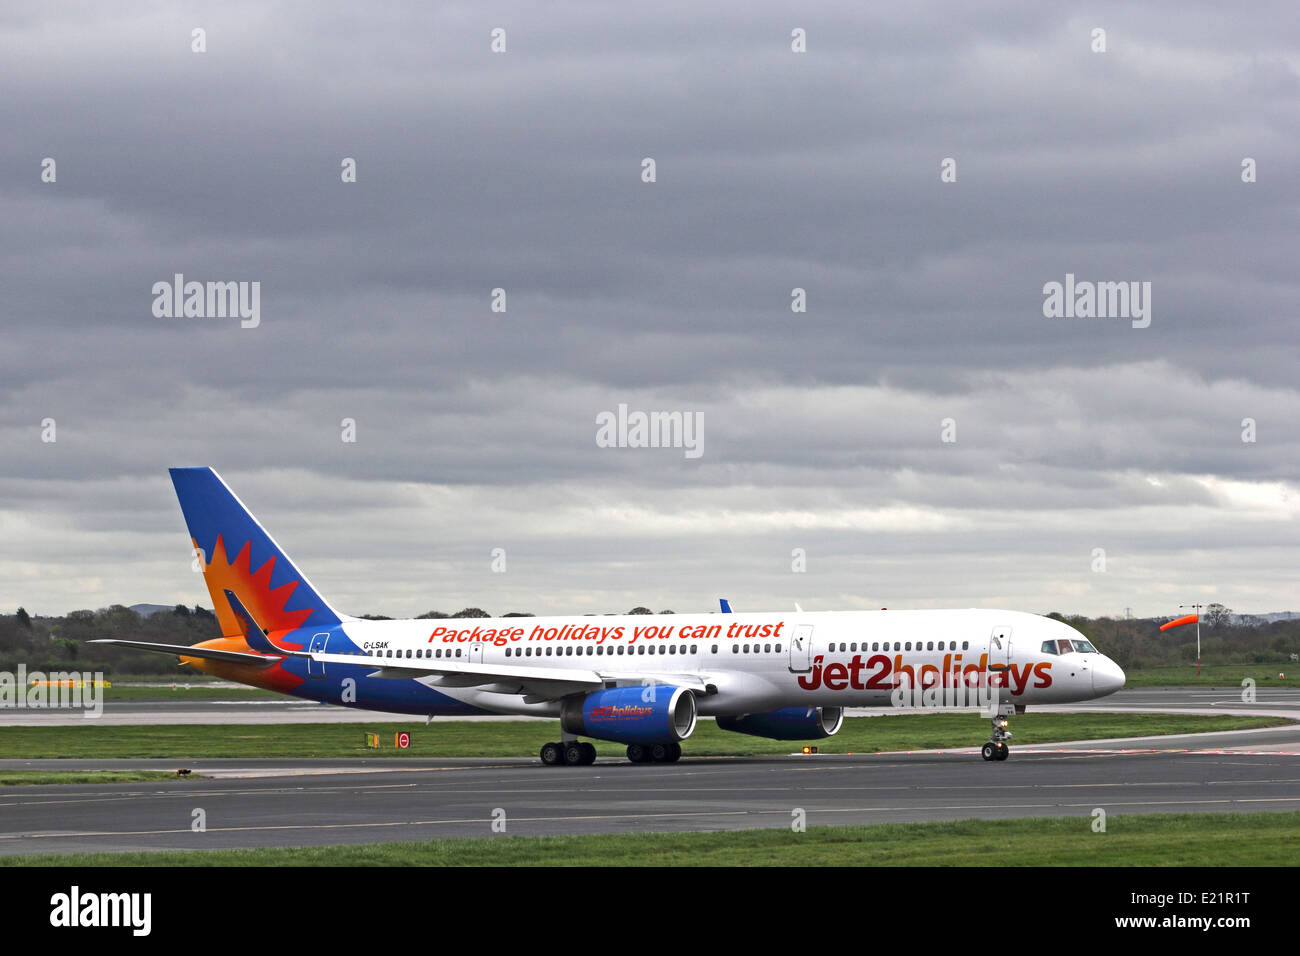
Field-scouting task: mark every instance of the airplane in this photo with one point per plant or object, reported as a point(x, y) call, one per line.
point(638, 680)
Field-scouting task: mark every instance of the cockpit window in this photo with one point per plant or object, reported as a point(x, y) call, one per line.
point(1049, 647)
point(1076, 646)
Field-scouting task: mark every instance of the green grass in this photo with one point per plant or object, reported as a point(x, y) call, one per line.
point(523, 738)
point(1215, 675)
point(1220, 839)
point(32, 777)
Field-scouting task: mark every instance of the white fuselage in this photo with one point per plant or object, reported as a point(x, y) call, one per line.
point(752, 663)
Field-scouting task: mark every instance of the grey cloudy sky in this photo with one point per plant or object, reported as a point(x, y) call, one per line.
point(522, 170)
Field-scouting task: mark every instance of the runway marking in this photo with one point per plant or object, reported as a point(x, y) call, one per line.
point(607, 817)
point(293, 791)
point(109, 797)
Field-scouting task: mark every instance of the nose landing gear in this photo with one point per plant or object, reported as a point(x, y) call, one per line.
point(996, 748)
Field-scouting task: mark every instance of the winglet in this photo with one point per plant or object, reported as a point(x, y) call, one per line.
point(726, 605)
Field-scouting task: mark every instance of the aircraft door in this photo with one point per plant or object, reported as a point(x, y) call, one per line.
point(801, 649)
point(1000, 660)
point(318, 643)
point(476, 652)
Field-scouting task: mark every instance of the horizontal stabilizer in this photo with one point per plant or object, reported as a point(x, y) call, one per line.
point(206, 653)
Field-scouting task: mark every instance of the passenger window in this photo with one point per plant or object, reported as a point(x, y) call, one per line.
point(672, 648)
point(778, 648)
point(714, 648)
point(746, 650)
point(907, 646)
point(929, 646)
point(735, 648)
point(965, 645)
point(458, 652)
point(767, 648)
point(693, 649)
point(408, 652)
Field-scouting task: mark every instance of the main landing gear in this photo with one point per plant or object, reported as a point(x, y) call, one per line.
point(996, 748)
point(573, 752)
point(654, 753)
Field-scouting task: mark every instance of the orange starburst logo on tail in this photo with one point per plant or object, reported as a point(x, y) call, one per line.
point(265, 603)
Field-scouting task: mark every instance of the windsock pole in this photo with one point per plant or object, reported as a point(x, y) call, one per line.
point(1188, 619)
point(1197, 608)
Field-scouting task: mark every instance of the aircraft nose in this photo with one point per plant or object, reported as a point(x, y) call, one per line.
point(1107, 677)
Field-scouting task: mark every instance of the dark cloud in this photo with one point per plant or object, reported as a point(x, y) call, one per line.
point(477, 430)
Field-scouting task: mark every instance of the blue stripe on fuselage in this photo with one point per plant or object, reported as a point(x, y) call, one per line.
point(372, 693)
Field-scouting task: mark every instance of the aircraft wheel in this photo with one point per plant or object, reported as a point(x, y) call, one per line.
point(588, 754)
point(637, 753)
point(659, 753)
point(674, 752)
point(989, 751)
point(1003, 752)
point(573, 753)
point(552, 755)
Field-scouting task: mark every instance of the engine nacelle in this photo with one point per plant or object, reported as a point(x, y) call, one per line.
point(625, 716)
point(788, 723)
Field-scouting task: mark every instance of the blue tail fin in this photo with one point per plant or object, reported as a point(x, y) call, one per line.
point(237, 554)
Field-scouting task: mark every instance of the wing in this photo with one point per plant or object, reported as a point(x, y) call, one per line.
point(537, 683)
point(534, 684)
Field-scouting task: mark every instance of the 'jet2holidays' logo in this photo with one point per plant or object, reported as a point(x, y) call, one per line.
point(75, 908)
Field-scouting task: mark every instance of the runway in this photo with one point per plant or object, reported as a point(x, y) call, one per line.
point(278, 802)
point(299, 803)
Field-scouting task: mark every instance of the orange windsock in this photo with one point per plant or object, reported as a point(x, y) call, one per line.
point(1189, 619)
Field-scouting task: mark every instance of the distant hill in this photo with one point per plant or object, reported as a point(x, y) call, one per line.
point(144, 610)
point(1268, 618)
